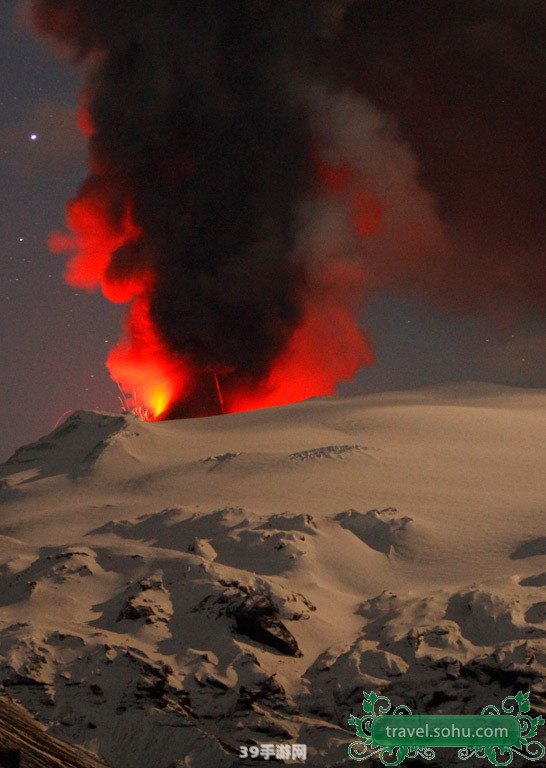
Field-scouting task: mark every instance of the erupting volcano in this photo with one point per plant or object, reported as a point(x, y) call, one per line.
point(192, 210)
point(244, 195)
point(252, 339)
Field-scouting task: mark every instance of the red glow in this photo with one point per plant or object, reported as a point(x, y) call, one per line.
point(145, 368)
point(339, 179)
point(326, 348)
point(95, 238)
point(367, 213)
point(335, 178)
point(83, 118)
point(149, 376)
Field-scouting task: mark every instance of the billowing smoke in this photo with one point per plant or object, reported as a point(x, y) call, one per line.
point(465, 82)
point(245, 194)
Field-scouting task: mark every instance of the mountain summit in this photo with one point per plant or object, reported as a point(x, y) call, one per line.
point(171, 592)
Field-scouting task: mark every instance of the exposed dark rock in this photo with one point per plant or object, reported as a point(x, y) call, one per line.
point(485, 673)
point(132, 612)
point(438, 698)
point(325, 452)
point(269, 691)
point(17, 679)
point(257, 618)
point(214, 682)
point(151, 583)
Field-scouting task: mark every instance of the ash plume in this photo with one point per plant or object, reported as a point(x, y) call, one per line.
point(258, 168)
point(465, 83)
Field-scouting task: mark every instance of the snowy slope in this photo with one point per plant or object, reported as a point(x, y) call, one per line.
point(19, 732)
point(171, 591)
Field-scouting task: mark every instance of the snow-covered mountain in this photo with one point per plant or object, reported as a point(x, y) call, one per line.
point(171, 592)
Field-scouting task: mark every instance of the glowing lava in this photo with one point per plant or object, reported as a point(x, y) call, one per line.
point(149, 376)
point(325, 348)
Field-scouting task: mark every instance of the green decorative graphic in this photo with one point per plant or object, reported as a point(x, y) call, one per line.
point(516, 732)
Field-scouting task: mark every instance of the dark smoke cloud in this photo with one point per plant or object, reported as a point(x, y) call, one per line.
point(466, 82)
point(193, 121)
point(204, 115)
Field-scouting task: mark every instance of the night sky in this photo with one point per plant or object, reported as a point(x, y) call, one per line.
point(54, 338)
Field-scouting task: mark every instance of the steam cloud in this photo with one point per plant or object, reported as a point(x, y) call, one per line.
point(249, 186)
